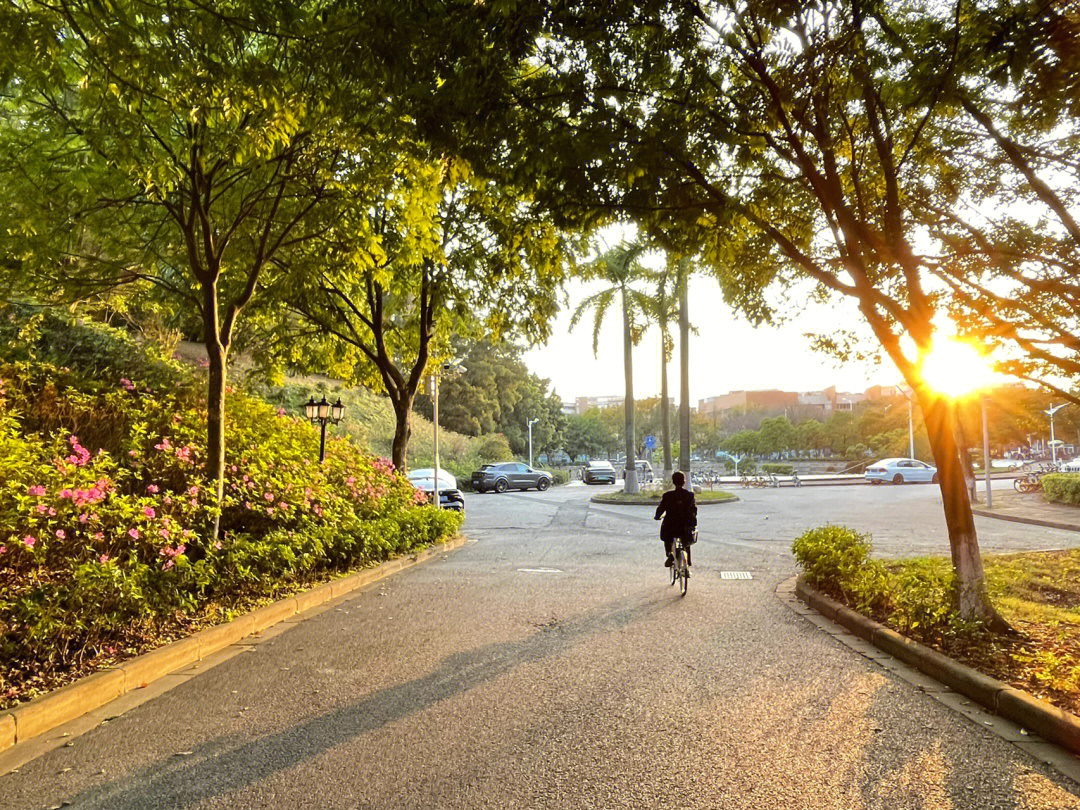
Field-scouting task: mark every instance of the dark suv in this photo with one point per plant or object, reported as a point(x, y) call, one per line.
point(598, 472)
point(509, 475)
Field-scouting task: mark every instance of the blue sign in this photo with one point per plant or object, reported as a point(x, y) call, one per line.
point(650, 442)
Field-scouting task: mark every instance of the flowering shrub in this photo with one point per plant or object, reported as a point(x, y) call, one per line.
point(105, 515)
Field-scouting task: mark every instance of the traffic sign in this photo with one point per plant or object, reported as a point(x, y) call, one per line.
point(650, 442)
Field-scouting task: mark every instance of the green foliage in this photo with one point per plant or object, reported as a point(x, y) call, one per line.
point(588, 435)
point(916, 597)
point(1062, 488)
point(777, 469)
point(106, 507)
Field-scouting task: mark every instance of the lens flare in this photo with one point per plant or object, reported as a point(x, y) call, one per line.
point(955, 368)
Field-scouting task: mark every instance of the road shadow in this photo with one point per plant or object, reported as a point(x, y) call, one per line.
point(226, 764)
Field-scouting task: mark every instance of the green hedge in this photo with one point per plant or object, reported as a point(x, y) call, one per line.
point(1062, 488)
point(915, 597)
point(778, 469)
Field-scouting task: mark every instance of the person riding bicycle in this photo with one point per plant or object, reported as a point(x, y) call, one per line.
point(679, 511)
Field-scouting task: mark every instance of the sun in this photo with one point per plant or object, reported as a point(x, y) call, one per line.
point(955, 368)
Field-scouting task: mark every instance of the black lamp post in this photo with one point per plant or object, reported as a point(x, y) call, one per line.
point(321, 413)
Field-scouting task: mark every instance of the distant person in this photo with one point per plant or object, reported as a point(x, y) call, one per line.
point(679, 512)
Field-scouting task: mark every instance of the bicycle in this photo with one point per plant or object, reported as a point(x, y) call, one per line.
point(680, 569)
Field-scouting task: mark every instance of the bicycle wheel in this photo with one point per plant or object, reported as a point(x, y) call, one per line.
point(684, 574)
point(674, 572)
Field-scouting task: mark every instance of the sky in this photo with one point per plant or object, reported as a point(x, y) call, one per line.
point(727, 354)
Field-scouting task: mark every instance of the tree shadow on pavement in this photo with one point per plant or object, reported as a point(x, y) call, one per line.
point(225, 764)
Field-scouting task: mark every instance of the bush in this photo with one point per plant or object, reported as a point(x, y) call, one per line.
point(915, 597)
point(778, 469)
point(105, 511)
point(1062, 488)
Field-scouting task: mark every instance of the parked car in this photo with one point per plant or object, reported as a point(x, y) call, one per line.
point(509, 475)
point(900, 471)
point(1071, 466)
point(644, 471)
point(598, 472)
point(450, 496)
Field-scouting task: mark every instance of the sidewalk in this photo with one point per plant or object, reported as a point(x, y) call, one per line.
point(1029, 508)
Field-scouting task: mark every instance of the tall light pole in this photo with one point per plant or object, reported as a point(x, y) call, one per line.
point(910, 422)
point(531, 423)
point(1053, 442)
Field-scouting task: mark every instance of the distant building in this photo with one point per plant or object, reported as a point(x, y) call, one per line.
point(770, 400)
point(569, 408)
point(876, 392)
point(583, 404)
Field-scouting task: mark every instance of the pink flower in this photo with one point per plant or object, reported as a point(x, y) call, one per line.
point(149, 512)
point(83, 517)
point(124, 381)
point(133, 533)
point(61, 534)
point(152, 489)
point(167, 500)
point(3, 549)
point(36, 491)
point(133, 453)
point(104, 558)
point(52, 512)
point(217, 545)
point(29, 540)
point(41, 508)
point(194, 503)
point(282, 505)
point(280, 411)
point(193, 490)
point(180, 549)
point(167, 565)
point(99, 536)
point(269, 496)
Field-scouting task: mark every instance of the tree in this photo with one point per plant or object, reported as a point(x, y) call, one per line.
point(587, 435)
point(183, 155)
point(810, 435)
point(775, 435)
point(436, 251)
point(662, 309)
point(619, 266)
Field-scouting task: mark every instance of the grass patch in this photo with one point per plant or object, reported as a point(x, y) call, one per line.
point(652, 497)
point(1038, 593)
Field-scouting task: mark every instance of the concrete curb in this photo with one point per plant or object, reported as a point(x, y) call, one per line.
point(605, 502)
point(29, 720)
point(1046, 524)
point(1045, 719)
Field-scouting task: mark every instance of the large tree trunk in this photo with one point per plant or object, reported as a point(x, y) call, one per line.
point(684, 373)
point(215, 402)
point(631, 483)
point(972, 602)
point(402, 432)
point(665, 420)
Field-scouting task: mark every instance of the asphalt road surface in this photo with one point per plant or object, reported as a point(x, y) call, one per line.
point(549, 665)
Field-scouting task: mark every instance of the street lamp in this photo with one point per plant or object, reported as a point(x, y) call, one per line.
point(322, 413)
point(448, 367)
point(908, 395)
point(1053, 442)
point(531, 423)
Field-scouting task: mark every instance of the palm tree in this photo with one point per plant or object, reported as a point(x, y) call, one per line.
point(620, 267)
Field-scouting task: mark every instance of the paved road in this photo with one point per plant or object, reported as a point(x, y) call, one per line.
point(583, 682)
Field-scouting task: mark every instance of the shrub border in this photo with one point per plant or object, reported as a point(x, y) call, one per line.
point(1045, 719)
point(29, 720)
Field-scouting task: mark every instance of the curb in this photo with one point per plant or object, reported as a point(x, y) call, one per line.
point(29, 720)
point(600, 500)
point(1045, 719)
point(1046, 524)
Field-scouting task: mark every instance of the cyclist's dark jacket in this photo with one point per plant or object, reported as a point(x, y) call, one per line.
point(680, 514)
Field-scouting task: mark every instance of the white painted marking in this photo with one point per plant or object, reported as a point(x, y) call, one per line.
point(735, 575)
point(540, 570)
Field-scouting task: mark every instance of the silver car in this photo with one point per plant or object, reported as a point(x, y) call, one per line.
point(900, 471)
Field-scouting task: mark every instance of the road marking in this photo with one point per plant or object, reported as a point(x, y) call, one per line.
point(540, 570)
point(735, 575)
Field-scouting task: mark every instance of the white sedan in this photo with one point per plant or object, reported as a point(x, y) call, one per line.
point(450, 496)
point(900, 471)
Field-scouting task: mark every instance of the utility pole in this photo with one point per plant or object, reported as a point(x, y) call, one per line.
point(986, 453)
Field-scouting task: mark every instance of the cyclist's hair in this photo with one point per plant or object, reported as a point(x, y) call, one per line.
point(677, 478)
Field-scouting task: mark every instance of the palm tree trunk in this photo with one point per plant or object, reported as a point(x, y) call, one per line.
point(666, 413)
point(684, 369)
point(631, 484)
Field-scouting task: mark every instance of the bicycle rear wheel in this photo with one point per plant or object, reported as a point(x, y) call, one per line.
point(680, 565)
